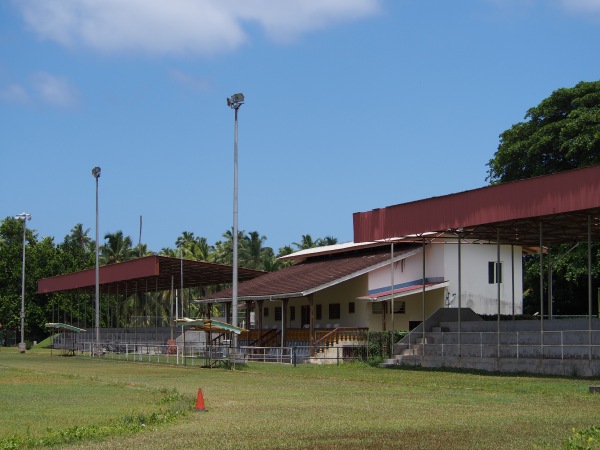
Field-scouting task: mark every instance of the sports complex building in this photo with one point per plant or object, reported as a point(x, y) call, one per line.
point(431, 267)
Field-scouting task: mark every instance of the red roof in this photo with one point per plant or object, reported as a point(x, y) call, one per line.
point(314, 274)
point(400, 292)
point(152, 273)
point(560, 202)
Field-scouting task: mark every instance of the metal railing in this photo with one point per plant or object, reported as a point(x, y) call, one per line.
point(563, 344)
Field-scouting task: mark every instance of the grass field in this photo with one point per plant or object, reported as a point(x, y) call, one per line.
point(83, 403)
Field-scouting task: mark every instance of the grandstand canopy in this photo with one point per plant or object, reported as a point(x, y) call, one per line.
point(560, 208)
point(149, 273)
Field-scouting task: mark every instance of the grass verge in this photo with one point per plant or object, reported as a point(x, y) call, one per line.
point(278, 406)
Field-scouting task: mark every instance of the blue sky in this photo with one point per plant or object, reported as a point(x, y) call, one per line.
point(350, 105)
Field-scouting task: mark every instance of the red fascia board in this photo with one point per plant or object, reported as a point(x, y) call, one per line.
point(129, 270)
point(564, 192)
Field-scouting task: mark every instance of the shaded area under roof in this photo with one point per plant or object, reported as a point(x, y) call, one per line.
point(151, 273)
point(561, 203)
point(315, 274)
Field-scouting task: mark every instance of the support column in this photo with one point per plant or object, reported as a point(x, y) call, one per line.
point(259, 320)
point(311, 339)
point(590, 285)
point(392, 284)
point(423, 296)
point(248, 310)
point(284, 305)
point(498, 278)
point(549, 285)
point(541, 290)
point(459, 294)
point(512, 266)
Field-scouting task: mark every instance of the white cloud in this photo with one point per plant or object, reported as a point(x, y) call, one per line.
point(190, 82)
point(55, 90)
point(583, 7)
point(181, 26)
point(14, 93)
point(588, 9)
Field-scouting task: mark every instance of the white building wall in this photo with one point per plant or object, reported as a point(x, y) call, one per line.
point(477, 293)
point(441, 265)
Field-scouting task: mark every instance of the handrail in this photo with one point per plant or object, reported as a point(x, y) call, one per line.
point(549, 344)
point(337, 331)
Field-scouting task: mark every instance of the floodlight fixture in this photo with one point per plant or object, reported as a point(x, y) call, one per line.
point(235, 101)
point(96, 172)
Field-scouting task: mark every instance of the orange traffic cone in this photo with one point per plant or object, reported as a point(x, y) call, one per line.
point(200, 402)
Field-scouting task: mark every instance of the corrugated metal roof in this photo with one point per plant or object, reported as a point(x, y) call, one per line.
point(316, 274)
point(207, 325)
point(302, 255)
point(403, 292)
point(64, 327)
point(560, 202)
point(153, 273)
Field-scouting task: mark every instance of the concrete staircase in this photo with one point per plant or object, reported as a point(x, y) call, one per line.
point(564, 348)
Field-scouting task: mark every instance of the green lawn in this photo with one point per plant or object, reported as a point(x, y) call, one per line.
point(84, 403)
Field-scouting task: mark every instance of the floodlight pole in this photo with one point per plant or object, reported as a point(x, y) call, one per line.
point(24, 217)
point(234, 102)
point(96, 174)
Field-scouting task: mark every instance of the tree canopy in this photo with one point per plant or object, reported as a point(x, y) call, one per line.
point(77, 252)
point(561, 133)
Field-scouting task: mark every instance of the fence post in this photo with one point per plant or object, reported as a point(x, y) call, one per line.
point(480, 344)
point(561, 345)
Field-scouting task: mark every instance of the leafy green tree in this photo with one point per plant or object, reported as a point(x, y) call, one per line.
point(41, 261)
point(195, 248)
point(117, 249)
point(77, 250)
point(327, 240)
point(305, 243)
point(253, 255)
point(561, 133)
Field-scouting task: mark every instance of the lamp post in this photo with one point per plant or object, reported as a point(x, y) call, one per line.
point(24, 217)
point(234, 102)
point(96, 174)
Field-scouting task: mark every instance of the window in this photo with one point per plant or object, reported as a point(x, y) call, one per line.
point(351, 308)
point(278, 313)
point(399, 307)
point(318, 312)
point(292, 313)
point(334, 311)
point(377, 307)
point(266, 312)
point(494, 272)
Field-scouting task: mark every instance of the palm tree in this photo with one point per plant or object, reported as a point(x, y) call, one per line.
point(224, 249)
point(252, 250)
point(186, 238)
point(117, 249)
point(80, 237)
point(166, 251)
point(327, 240)
point(305, 243)
point(199, 250)
point(142, 250)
